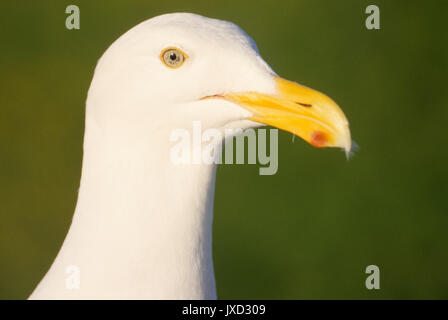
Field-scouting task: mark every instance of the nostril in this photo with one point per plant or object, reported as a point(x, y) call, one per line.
point(304, 104)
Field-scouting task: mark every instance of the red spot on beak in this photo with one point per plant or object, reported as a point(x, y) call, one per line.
point(318, 139)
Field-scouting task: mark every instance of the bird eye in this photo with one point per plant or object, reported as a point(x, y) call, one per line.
point(173, 57)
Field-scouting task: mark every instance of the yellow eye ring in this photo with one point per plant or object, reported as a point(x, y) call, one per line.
point(173, 57)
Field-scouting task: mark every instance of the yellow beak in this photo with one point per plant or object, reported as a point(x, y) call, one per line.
point(302, 111)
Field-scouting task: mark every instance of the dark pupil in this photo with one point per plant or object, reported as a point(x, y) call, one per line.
point(173, 56)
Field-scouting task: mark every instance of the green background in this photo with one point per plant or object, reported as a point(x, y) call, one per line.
point(310, 230)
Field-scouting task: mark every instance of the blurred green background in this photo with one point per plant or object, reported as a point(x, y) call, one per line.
point(310, 230)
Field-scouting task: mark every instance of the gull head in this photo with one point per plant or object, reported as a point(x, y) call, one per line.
point(177, 68)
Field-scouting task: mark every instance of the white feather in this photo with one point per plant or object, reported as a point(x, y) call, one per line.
point(142, 228)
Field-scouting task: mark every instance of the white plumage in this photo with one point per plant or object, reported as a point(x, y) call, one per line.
point(142, 228)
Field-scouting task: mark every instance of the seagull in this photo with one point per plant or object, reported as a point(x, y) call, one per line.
point(142, 227)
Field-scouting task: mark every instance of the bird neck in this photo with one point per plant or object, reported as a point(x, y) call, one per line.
point(142, 226)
